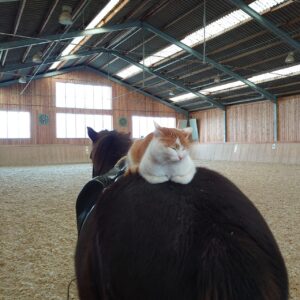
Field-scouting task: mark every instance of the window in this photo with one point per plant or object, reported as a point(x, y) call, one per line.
point(74, 125)
point(141, 126)
point(14, 125)
point(83, 96)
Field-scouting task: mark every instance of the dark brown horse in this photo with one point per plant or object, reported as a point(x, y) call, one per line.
point(203, 241)
point(108, 147)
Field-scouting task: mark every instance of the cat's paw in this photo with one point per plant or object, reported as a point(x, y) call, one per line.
point(132, 170)
point(155, 179)
point(184, 179)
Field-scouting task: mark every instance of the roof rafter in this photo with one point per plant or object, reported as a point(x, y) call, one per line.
point(266, 23)
point(16, 26)
point(44, 75)
point(216, 65)
point(124, 83)
point(174, 82)
point(46, 20)
point(67, 36)
point(51, 60)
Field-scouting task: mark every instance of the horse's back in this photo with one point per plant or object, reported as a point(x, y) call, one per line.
point(203, 241)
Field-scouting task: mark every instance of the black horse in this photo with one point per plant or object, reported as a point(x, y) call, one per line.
point(204, 240)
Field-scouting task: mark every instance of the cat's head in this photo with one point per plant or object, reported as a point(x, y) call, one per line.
point(175, 142)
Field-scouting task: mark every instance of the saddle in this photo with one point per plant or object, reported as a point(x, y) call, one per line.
point(90, 193)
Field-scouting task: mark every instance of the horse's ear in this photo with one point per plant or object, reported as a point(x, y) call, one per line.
point(92, 134)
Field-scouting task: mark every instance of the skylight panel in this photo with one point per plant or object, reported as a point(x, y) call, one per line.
point(261, 6)
point(102, 14)
point(223, 87)
point(282, 73)
point(220, 26)
point(162, 54)
point(183, 97)
point(130, 71)
point(268, 76)
point(93, 24)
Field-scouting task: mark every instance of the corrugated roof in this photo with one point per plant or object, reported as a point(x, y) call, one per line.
point(247, 50)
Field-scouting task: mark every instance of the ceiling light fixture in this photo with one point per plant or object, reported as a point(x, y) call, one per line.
point(22, 79)
point(37, 57)
point(96, 22)
point(171, 92)
point(217, 78)
point(290, 58)
point(65, 17)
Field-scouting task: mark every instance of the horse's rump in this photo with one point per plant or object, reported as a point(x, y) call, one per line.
point(203, 241)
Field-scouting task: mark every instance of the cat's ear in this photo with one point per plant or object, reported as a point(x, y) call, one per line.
point(92, 134)
point(156, 125)
point(157, 131)
point(187, 131)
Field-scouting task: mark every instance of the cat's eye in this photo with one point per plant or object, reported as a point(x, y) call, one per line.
point(176, 147)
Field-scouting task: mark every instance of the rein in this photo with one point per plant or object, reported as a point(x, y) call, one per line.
point(101, 182)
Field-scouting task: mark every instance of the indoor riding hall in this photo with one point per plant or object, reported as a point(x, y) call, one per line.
point(230, 69)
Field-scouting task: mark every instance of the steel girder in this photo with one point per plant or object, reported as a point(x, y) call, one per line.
point(266, 23)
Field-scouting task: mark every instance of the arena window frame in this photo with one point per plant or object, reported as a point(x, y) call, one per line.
point(70, 125)
point(87, 103)
point(143, 125)
point(15, 124)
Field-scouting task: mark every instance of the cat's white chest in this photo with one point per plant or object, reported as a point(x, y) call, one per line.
point(156, 167)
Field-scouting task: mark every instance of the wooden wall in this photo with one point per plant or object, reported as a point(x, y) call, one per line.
point(251, 123)
point(210, 125)
point(39, 98)
point(289, 119)
point(247, 125)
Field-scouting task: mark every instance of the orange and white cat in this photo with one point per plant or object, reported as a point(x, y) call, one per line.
point(163, 155)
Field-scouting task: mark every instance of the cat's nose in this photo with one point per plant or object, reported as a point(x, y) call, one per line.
point(180, 157)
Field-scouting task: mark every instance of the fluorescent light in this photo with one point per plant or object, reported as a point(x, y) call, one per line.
point(268, 76)
point(93, 24)
point(220, 26)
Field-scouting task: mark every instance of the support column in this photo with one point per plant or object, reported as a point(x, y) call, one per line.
point(225, 125)
point(275, 120)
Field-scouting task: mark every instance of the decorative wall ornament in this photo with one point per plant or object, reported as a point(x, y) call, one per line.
point(123, 121)
point(43, 119)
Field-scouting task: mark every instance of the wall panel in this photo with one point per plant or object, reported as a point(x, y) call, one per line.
point(246, 123)
point(250, 123)
point(39, 98)
point(289, 119)
point(210, 125)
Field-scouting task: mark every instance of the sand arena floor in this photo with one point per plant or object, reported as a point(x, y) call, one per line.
point(38, 228)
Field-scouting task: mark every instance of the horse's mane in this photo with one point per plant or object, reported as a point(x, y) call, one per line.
point(108, 148)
